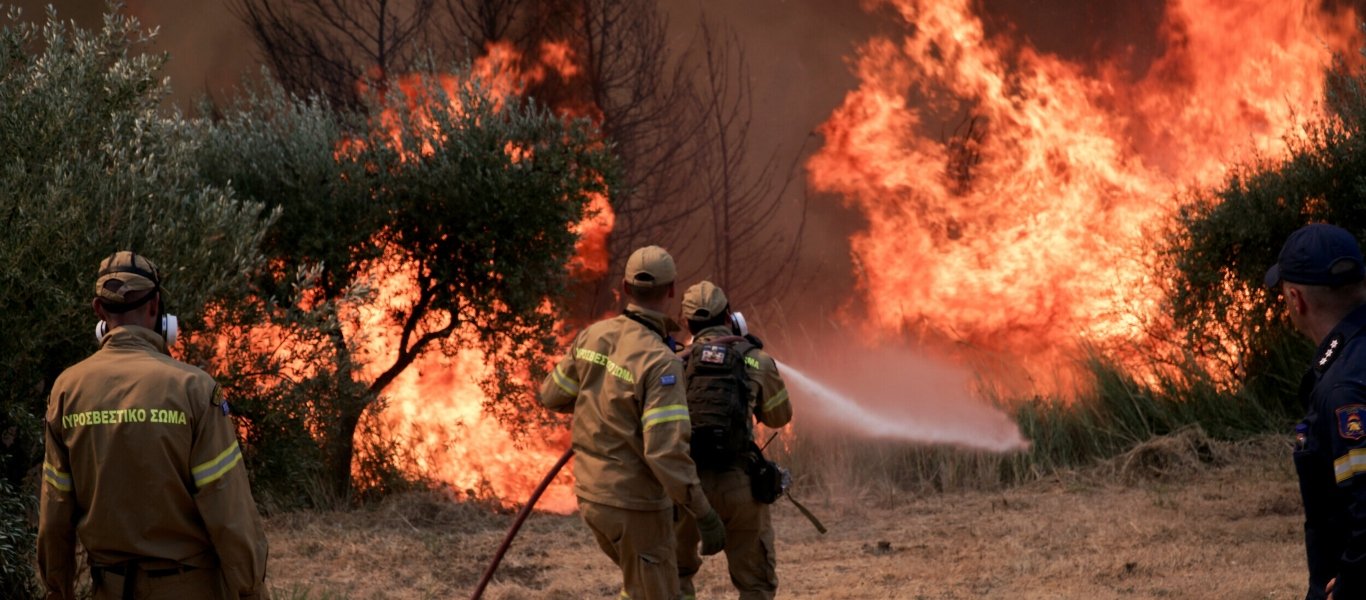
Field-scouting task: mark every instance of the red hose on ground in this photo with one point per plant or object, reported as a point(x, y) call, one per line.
point(517, 523)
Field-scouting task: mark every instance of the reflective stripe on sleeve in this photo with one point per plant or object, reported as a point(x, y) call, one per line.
point(664, 414)
point(776, 400)
point(58, 479)
point(569, 386)
point(212, 470)
point(1354, 463)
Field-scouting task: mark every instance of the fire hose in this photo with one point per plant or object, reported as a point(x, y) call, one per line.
point(517, 523)
point(807, 513)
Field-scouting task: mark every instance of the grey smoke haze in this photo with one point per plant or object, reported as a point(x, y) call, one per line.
point(210, 50)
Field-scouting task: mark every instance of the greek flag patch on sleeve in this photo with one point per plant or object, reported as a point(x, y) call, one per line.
point(669, 379)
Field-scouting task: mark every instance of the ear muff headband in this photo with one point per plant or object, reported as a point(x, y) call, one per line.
point(123, 307)
point(119, 308)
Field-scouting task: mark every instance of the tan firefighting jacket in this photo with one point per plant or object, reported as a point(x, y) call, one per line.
point(631, 430)
point(767, 392)
point(142, 463)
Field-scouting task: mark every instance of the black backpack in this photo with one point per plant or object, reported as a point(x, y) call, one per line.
point(718, 403)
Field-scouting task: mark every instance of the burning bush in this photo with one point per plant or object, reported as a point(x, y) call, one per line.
point(1227, 235)
point(440, 220)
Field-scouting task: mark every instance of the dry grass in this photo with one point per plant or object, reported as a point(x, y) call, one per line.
point(1179, 517)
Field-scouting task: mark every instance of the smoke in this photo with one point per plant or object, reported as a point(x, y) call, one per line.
point(210, 49)
point(893, 394)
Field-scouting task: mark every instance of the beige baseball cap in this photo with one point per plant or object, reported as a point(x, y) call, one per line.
point(704, 301)
point(124, 273)
point(650, 267)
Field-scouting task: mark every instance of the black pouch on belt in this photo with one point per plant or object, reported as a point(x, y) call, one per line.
point(765, 480)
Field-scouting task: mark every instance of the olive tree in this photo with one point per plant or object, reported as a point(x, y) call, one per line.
point(88, 166)
point(469, 199)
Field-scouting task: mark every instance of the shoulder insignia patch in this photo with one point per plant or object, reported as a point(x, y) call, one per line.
point(669, 379)
point(216, 400)
point(1352, 421)
point(713, 354)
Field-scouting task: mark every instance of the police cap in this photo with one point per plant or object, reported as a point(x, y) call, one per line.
point(1318, 254)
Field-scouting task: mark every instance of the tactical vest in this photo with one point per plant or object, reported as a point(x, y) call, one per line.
point(718, 403)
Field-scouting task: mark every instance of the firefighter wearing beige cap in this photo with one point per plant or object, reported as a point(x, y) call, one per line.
point(141, 463)
point(624, 386)
point(731, 383)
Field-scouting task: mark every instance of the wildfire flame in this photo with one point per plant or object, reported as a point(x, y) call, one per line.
point(1025, 230)
point(435, 410)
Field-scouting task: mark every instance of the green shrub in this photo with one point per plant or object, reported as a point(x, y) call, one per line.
point(1226, 237)
point(88, 166)
point(17, 542)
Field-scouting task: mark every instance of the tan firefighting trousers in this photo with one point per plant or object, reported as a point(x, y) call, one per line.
point(206, 584)
point(641, 543)
point(749, 537)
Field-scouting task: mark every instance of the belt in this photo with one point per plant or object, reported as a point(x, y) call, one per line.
point(122, 570)
point(128, 572)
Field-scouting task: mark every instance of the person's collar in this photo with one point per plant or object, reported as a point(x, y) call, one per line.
point(134, 336)
point(715, 331)
point(1331, 346)
point(659, 319)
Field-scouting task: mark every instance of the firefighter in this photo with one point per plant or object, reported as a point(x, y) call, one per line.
point(1320, 274)
point(141, 463)
point(729, 478)
point(624, 386)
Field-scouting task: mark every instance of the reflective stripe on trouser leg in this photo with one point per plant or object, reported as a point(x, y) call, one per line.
point(641, 543)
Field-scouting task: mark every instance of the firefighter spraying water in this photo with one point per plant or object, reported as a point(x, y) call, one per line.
point(624, 387)
point(732, 383)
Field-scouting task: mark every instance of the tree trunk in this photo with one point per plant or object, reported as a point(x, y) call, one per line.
point(340, 450)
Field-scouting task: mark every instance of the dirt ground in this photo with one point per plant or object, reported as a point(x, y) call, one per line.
point(1226, 524)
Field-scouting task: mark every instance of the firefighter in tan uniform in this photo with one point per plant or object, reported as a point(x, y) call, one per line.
point(141, 464)
point(624, 386)
point(726, 478)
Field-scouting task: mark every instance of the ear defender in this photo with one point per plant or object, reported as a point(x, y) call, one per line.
point(738, 321)
point(167, 325)
point(169, 328)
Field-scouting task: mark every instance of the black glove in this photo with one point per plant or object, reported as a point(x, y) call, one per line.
point(713, 533)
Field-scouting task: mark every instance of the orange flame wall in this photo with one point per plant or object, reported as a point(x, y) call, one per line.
point(1010, 193)
point(435, 412)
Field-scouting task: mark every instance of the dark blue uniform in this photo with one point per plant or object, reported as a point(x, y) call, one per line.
point(1330, 457)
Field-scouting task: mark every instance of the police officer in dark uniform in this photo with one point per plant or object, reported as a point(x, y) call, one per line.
point(1320, 273)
